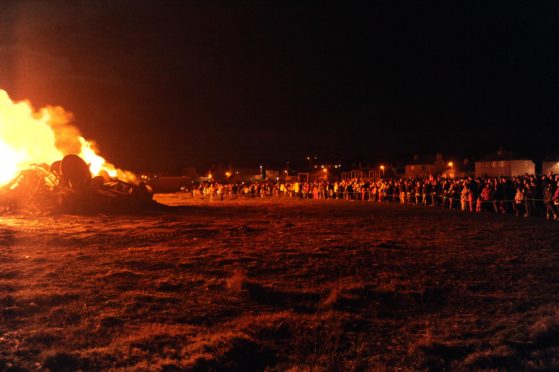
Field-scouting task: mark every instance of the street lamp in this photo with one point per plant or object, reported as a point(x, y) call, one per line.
point(382, 169)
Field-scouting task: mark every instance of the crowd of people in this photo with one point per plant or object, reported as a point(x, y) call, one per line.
point(526, 195)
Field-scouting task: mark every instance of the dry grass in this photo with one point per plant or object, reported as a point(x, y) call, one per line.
point(262, 285)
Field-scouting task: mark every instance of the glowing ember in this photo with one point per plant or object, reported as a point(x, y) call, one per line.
point(35, 137)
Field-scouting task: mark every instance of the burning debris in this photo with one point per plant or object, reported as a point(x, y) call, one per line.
point(78, 180)
point(67, 186)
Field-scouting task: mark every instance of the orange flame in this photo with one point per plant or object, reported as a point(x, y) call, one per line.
point(30, 137)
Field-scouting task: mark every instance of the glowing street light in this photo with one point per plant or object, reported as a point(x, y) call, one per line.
point(382, 169)
point(451, 166)
point(228, 174)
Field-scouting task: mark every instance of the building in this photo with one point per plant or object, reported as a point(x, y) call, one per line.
point(362, 174)
point(551, 164)
point(504, 163)
point(425, 166)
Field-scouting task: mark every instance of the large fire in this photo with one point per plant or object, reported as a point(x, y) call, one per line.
point(29, 137)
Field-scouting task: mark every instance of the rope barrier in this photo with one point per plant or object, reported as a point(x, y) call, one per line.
point(356, 195)
point(526, 207)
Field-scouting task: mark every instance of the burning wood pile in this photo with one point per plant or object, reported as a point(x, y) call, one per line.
point(77, 180)
point(67, 186)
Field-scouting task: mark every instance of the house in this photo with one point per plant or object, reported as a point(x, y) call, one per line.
point(366, 174)
point(551, 163)
point(504, 163)
point(425, 166)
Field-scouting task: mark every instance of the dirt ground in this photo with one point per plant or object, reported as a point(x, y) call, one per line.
point(259, 284)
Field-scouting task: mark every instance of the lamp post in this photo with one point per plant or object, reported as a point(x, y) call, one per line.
point(451, 166)
point(382, 170)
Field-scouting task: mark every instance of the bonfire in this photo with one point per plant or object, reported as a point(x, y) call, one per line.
point(47, 166)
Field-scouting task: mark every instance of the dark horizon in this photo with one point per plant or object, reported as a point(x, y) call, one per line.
point(166, 85)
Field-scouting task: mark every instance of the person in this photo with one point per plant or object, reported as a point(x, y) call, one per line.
point(297, 189)
point(555, 199)
point(519, 201)
point(315, 191)
point(548, 193)
point(528, 199)
point(464, 196)
point(487, 197)
point(498, 196)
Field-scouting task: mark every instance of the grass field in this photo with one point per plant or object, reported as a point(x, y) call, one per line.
point(279, 285)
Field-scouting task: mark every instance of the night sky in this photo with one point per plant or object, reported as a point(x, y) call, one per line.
point(168, 84)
